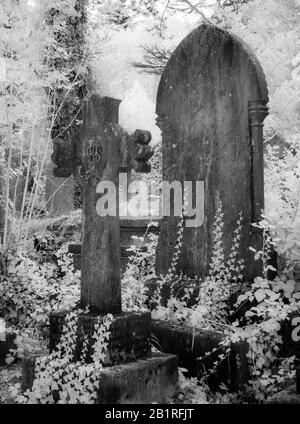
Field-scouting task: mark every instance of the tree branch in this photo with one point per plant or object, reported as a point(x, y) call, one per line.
point(195, 9)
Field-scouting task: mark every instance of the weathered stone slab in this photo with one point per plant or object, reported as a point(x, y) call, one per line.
point(211, 104)
point(189, 345)
point(286, 396)
point(5, 347)
point(77, 261)
point(143, 381)
point(59, 192)
point(69, 231)
point(129, 338)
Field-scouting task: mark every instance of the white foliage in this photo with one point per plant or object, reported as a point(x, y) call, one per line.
point(2, 330)
point(138, 111)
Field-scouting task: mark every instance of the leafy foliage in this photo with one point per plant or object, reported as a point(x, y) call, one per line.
point(282, 214)
point(264, 307)
point(30, 291)
point(138, 274)
point(59, 379)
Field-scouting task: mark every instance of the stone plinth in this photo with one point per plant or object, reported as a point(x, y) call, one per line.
point(131, 374)
point(129, 338)
point(189, 345)
point(143, 381)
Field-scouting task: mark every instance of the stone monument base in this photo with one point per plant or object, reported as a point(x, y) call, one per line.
point(143, 381)
point(129, 335)
point(131, 373)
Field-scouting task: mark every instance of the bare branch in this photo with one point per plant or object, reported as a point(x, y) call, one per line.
point(155, 60)
point(235, 4)
point(195, 9)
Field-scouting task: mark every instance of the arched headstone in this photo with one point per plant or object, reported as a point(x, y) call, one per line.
point(211, 104)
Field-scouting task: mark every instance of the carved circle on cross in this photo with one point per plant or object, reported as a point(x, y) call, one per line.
point(93, 153)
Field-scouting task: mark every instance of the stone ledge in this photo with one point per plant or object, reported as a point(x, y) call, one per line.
point(143, 381)
point(75, 249)
point(129, 339)
point(286, 396)
point(126, 224)
point(188, 346)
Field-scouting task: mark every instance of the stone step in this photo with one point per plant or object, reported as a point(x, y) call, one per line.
point(75, 249)
point(144, 381)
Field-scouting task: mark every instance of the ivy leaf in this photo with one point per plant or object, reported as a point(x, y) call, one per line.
point(259, 295)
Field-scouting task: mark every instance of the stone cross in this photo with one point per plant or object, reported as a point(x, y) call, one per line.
point(211, 104)
point(98, 152)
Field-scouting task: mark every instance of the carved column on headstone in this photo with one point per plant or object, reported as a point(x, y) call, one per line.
point(258, 111)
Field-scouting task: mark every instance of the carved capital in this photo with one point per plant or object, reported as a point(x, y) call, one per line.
point(258, 111)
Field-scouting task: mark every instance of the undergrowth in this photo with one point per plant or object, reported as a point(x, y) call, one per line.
point(255, 317)
point(61, 380)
